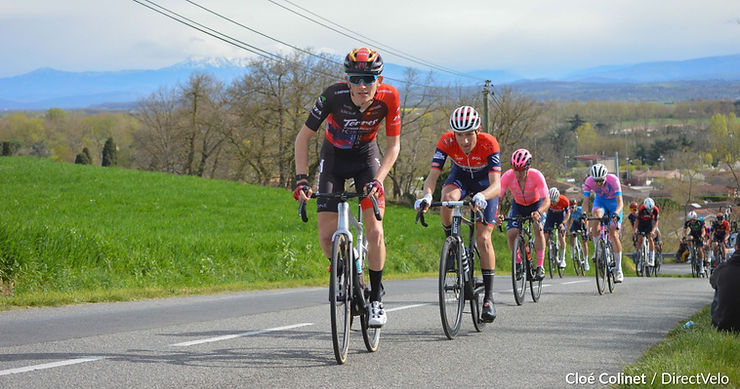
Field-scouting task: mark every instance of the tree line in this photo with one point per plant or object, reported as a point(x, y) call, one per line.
point(245, 130)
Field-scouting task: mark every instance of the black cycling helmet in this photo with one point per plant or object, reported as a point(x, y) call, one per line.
point(363, 61)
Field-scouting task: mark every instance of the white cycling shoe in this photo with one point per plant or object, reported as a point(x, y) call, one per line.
point(377, 317)
point(619, 277)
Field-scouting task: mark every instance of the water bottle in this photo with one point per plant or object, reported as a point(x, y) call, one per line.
point(688, 324)
point(358, 261)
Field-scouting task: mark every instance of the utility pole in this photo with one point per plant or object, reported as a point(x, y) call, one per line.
point(486, 93)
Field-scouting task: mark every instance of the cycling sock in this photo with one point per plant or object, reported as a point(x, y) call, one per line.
point(540, 257)
point(448, 231)
point(488, 282)
point(375, 277)
point(618, 259)
point(652, 255)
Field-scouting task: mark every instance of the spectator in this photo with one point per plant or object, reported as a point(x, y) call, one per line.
point(726, 281)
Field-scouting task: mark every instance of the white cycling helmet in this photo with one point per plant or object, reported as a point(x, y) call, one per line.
point(464, 119)
point(649, 204)
point(554, 194)
point(692, 215)
point(598, 171)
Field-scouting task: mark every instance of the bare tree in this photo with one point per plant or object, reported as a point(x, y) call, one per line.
point(158, 138)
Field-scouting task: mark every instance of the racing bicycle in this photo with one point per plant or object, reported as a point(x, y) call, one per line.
point(604, 264)
point(553, 251)
point(522, 268)
point(457, 280)
point(348, 295)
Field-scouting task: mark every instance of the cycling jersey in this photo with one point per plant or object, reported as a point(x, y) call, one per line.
point(632, 218)
point(346, 126)
point(646, 219)
point(556, 213)
point(575, 218)
point(535, 187)
point(562, 204)
point(469, 172)
point(605, 196)
point(720, 229)
point(695, 228)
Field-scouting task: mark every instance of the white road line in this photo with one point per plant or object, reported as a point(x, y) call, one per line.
point(407, 307)
point(250, 333)
point(48, 365)
point(574, 282)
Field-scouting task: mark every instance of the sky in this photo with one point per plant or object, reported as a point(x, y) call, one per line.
point(527, 37)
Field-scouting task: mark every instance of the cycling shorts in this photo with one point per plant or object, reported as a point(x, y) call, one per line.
point(719, 237)
point(553, 217)
point(472, 185)
point(609, 206)
point(576, 226)
point(645, 227)
point(521, 210)
point(338, 165)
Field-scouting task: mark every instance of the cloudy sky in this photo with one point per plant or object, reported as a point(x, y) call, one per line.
point(527, 37)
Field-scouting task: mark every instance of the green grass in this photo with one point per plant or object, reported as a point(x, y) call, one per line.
point(76, 233)
point(688, 352)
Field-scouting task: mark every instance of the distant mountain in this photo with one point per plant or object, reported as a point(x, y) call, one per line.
point(710, 77)
point(708, 68)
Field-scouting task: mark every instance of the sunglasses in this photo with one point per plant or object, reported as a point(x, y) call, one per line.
point(599, 181)
point(367, 79)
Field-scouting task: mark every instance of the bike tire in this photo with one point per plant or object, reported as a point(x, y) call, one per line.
point(519, 279)
point(476, 306)
point(580, 258)
point(340, 311)
point(600, 268)
point(535, 287)
point(451, 288)
point(551, 258)
point(370, 335)
point(611, 268)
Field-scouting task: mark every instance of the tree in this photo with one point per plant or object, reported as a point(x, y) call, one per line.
point(725, 141)
point(110, 153)
point(516, 118)
point(83, 158)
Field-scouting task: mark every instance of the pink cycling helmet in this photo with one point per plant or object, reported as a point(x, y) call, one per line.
point(521, 159)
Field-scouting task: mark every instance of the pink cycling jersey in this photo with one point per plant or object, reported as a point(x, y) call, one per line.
point(609, 191)
point(535, 187)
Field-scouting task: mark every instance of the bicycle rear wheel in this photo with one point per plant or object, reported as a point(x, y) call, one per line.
point(476, 305)
point(551, 257)
point(518, 273)
point(451, 287)
point(577, 256)
point(370, 335)
point(600, 267)
point(340, 287)
point(535, 287)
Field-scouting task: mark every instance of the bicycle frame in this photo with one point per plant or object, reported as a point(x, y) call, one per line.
point(603, 252)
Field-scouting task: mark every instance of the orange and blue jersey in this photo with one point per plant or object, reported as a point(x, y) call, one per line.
point(485, 157)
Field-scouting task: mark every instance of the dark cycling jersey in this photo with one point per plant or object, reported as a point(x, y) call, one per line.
point(720, 229)
point(632, 218)
point(556, 213)
point(346, 126)
point(646, 219)
point(695, 227)
point(350, 149)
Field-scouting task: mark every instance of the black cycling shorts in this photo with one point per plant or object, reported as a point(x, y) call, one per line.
point(339, 165)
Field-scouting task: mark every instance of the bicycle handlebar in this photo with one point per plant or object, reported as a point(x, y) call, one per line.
point(448, 204)
point(342, 196)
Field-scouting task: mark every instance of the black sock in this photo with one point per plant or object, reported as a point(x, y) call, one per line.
point(488, 282)
point(375, 278)
point(448, 231)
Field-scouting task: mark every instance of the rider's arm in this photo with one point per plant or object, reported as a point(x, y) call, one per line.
point(392, 148)
point(620, 204)
point(301, 149)
point(431, 181)
point(494, 188)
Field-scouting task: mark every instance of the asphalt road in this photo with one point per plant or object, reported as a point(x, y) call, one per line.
point(281, 339)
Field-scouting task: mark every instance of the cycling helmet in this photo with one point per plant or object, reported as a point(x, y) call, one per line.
point(464, 119)
point(633, 205)
point(521, 159)
point(692, 215)
point(649, 204)
point(720, 216)
point(363, 61)
point(573, 202)
point(598, 171)
point(554, 194)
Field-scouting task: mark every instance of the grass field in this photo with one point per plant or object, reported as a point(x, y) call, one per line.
point(79, 233)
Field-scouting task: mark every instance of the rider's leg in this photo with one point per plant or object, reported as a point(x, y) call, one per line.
point(375, 251)
point(539, 244)
point(616, 249)
point(487, 256)
point(449, 193)
point(561, 236)
point(651, 243)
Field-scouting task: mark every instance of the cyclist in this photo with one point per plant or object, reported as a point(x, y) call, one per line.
point(632, 217)
point(607, 200)
point(647, 224)
point(577, 224)
point(531, 198)
point(557, 213)
point(353, 110)
point(476, 168)
point(720, 234)
point(693, 229)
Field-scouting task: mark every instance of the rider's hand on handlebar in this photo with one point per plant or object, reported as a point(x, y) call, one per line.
point(480, 201)
point(536, 216)
point(423, 203)
point(374, 187)
point(302, 192)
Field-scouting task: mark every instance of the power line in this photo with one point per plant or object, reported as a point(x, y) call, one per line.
point(388, 49)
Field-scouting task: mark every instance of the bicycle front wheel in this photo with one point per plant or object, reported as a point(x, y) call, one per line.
point(340, 288)
point(535, 287)
point(611, 267)
point(451, 284)
point(552, 254)
point(600, 267)
point(518, 273)
point(577, 257)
